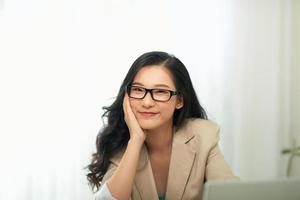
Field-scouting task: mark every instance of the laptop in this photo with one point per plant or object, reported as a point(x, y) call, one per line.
point(278, 189)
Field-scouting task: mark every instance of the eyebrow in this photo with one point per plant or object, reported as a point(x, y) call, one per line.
point(156, 85)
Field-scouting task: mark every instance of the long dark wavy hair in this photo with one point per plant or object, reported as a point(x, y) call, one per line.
point(115, 135)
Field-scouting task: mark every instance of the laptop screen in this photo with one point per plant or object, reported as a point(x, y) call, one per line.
point(278, 189)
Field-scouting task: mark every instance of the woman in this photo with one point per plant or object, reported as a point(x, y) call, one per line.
point(158, 143)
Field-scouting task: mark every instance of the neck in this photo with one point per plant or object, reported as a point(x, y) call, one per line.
point(160, 139)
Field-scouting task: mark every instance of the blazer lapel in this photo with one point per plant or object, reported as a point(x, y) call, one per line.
point(182, 160)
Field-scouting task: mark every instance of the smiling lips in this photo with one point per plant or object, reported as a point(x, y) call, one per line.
point(147, 114)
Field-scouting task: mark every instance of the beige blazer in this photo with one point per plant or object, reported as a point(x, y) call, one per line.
point(195, 158)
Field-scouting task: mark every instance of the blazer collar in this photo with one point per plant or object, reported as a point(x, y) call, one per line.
point(181, 162)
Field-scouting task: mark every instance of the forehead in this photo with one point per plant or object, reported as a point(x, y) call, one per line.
point(151, 76)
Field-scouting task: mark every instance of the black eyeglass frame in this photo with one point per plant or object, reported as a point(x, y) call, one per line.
point(171, 92)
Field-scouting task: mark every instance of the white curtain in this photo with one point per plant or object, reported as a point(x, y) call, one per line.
point(61, 61)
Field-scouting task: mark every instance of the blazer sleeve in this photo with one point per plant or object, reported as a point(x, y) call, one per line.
point(216, 166)
point(104, 193)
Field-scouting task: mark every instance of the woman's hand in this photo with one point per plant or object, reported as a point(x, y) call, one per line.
point(121, 182)
point(135, 131)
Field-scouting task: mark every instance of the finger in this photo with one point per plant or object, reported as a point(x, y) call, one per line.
point(128, 107)
point(125, 109)
point(128, 113)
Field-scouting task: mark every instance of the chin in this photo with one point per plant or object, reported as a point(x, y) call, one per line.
point(148, 124)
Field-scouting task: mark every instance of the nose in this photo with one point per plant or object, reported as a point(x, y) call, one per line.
point(147, 101)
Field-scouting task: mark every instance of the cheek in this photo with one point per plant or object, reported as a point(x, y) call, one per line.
point(167, 110)
point(133, 104)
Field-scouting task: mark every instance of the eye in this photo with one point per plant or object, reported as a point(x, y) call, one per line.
point(161, 91)
point(137, 89)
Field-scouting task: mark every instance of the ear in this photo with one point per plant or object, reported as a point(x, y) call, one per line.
point(179, 102)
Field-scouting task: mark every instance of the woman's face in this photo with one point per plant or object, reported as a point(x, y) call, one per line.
point(153, 114)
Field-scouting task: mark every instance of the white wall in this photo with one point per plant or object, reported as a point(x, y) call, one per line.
point(61, 61)
point(253, 87)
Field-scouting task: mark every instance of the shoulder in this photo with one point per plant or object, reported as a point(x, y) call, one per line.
point(201, 124)
point(200, 127)
point(201, 130)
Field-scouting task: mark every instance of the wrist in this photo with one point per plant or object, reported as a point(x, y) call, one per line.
point(138, 142)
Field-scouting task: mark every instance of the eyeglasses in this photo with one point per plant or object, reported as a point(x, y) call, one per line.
point(162, 95)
